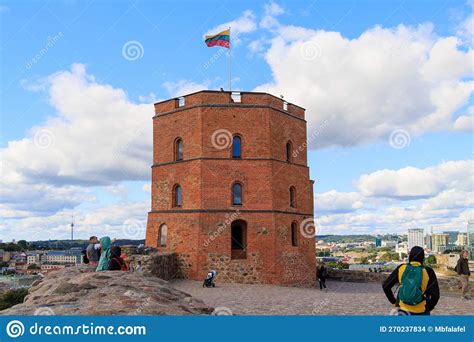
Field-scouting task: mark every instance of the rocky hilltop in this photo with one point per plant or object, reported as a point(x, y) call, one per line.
point(80, 291)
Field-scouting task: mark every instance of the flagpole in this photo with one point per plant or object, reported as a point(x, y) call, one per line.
point(230, 63)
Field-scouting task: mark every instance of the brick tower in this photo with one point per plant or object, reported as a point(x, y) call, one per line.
point(231, 188)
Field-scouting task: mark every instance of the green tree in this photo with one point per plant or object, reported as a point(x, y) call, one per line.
point(431, 260)
point(23, 244)
point(339, 265)
point(364, 260)
point(32, 267)
point(12, 297)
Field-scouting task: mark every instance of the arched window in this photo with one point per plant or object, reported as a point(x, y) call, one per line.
point(238, 239)
point(294, 234)
point(237, 194)
point(236, 147)
point(292, 197)
point(177, 196)
point(163, 235)
point(289, 151)
point(178, 149)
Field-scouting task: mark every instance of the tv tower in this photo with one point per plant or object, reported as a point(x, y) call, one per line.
point(72, 227)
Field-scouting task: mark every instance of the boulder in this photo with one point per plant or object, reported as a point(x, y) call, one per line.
point(81, 291)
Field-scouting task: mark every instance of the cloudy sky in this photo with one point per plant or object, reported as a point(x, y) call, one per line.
point(388, 88)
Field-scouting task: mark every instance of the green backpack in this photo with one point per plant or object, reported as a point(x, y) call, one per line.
point(410, 290)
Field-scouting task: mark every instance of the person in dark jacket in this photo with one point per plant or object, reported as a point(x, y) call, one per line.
point(322, 276)
point(116, 262)
point(462, 269)
point(429, 286)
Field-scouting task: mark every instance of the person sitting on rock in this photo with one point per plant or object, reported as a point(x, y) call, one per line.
point(116, 262)
point(104, 254)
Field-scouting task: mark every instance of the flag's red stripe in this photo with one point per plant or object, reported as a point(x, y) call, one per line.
point(222, 43)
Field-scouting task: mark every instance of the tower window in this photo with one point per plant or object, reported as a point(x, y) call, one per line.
point(289, 151)
point(239, 239)
point(292, 197)
point(177, 196)
point(178, 149)
point(181, 101)
point(163, 235)
point(294, 234)
point(236, 147)
point(237, 194)
point(285, 105)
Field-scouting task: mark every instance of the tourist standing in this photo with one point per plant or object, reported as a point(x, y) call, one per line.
point(92, 251)
point(462, 269)
point(322, 276)
point(418, 291)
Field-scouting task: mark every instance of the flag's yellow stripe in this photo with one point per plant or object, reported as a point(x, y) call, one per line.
point(223, 33)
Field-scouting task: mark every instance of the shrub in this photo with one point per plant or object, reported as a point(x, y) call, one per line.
point(12, 297)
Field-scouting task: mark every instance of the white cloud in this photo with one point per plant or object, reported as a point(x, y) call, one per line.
point(244, 24)
point(337, 202)
point(465, 122)
point(413, 183)
point(395, 200)
point(272, 10)
point(41, 199)
point(124, 220)
point(365, 87)
point(96, 137)
point(150, 98)
point(183, 87)
point(465, 29)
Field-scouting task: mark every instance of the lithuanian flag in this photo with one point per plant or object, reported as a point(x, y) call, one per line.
point(220, 39)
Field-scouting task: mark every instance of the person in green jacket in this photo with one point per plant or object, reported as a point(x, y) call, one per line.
point(104, 254)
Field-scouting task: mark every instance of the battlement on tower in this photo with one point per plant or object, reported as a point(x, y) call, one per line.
point(217, 98)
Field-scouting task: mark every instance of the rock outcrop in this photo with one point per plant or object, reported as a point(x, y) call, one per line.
point(80, 291)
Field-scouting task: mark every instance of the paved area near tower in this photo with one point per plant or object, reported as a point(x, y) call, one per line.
point(343, 298)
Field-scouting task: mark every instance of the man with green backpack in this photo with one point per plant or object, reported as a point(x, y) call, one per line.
point(418, 291)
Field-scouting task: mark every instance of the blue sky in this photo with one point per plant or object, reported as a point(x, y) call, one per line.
point(366, 71)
